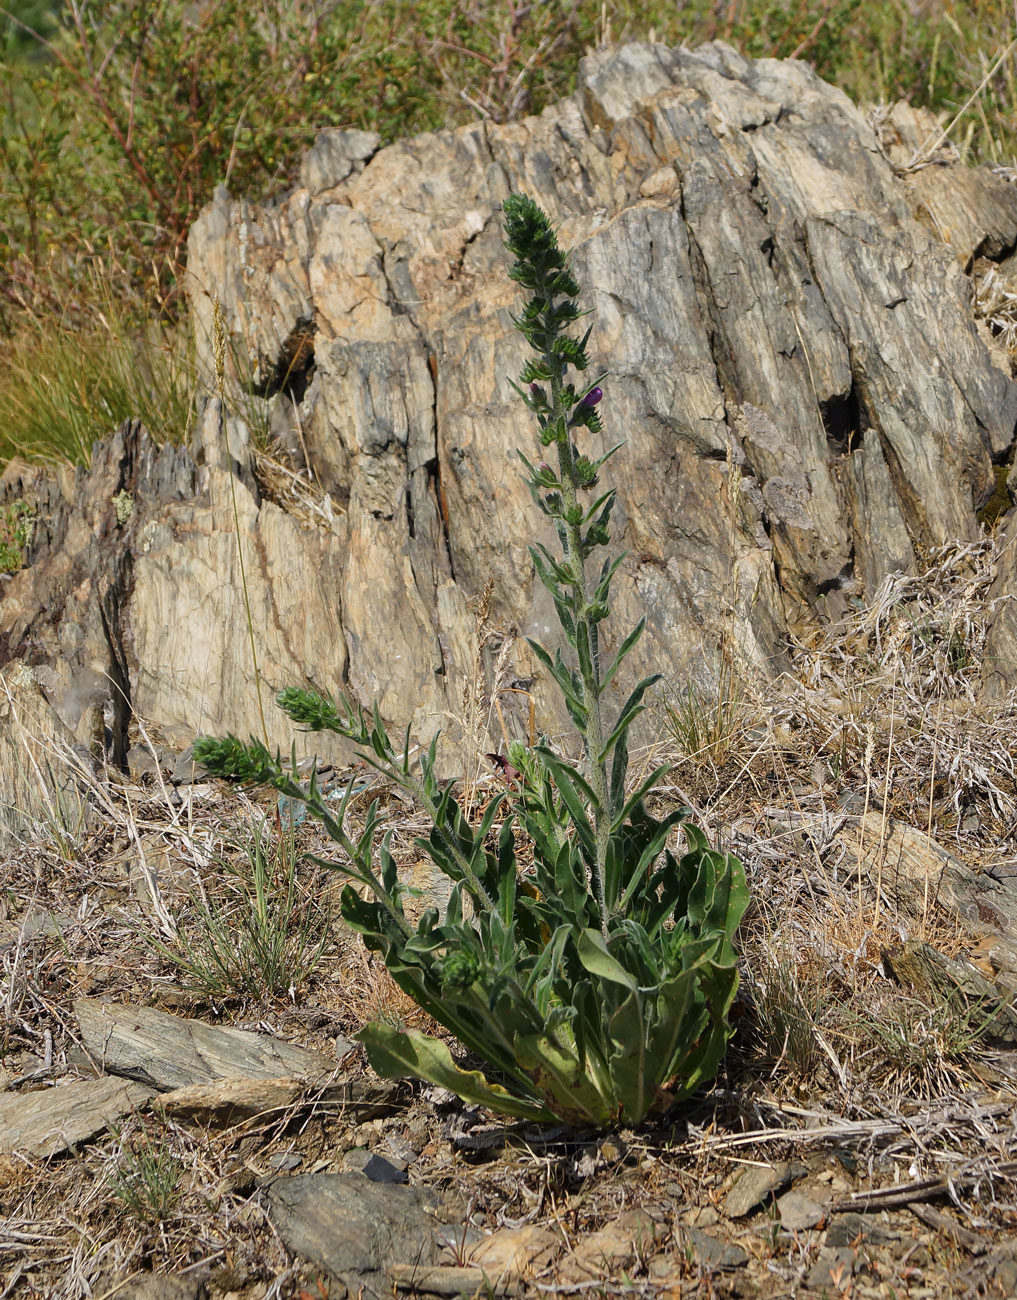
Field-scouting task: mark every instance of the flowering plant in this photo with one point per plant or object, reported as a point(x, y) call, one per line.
point(595, 985)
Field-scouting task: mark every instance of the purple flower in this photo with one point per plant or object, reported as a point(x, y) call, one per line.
point(593, 397)
point(534, 390)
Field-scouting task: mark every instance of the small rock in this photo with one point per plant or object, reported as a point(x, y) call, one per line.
point(613, 1150)
point(701, 1216)
point(170, 1052)
point(397, 1148)
point(48, 1122)
point(374, 1166)
point(753, 1186)
point(514, 1253)
point(709, 1252)
point(456, 1240)
point(285, 1161)
point(231, 1100)
point(848, 1228)
point(797, 1211)
point(352, 1226)
point(632, 1236)
point(440, 1279)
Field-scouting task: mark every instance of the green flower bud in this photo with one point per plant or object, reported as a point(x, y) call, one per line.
point(459, 970)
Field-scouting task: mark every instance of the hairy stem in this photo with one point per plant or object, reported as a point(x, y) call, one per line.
point(593, 734)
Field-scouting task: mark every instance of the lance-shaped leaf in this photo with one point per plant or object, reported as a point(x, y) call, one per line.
point(398, 1054)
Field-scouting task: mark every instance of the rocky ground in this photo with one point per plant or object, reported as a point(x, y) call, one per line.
point(184, 1110)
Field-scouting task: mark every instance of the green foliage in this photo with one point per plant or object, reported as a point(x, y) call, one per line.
point(17, 522)
point(596, 983)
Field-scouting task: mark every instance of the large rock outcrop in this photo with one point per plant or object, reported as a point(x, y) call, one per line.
point(782, 304)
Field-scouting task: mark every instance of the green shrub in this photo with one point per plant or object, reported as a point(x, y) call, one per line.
point(596, 984)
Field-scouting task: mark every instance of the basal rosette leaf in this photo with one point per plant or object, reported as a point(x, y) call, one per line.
point(396, 1054)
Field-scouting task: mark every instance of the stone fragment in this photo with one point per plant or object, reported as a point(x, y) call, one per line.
point(834, 1269)
point(753, 1186)
point(48, 1122)
point(846, 1229)
point(633, 1237)
point(169, 1052)
point(514, 1253)
point(442, 1279)
point(708, 1251)
point(230, 1100)
point(353, 1227)
point(376, 1167)
point(798, 1211)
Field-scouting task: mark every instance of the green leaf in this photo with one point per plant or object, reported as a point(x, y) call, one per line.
point(398, 1054)
point(596, 958)
point(623, 650)
point(631, 710)
point(630, 1067)
point(558, 1076)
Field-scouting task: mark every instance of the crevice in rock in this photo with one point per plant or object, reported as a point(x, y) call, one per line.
point(843, 579)
point(845, 420)
point(433, 467)
point(1003, 494)
point(111, 604)
point(410, 526)
point(720, 350)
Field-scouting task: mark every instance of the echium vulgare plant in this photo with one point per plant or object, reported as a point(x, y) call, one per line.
point(594, 985)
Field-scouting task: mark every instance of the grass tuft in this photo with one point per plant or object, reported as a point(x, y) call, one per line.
point(146, 1178)
point(255, 938)
point(63, 387)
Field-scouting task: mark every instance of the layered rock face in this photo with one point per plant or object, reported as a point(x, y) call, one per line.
point(792, 356)
point(781, 302)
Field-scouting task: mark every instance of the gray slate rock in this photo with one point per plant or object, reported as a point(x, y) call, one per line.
point(375, 1167)
point(170, 1052)
point(49, 1122)
point(710, 1252)
point(353, 1227)
point(798, 1211)
point(847, 1228)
